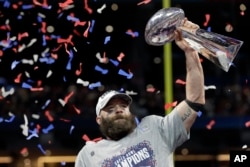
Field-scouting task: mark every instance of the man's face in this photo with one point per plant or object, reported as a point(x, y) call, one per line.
point(115, 119)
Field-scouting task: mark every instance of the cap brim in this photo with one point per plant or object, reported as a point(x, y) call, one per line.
point(123, 96)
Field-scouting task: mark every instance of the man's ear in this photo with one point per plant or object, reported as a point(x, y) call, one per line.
point(98, 120)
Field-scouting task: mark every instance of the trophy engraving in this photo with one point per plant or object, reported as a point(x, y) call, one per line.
point(219, 49)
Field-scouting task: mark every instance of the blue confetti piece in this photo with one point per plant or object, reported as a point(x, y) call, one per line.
point(94, 85)
point(33, 134)
point(14, 64)
point(92, 25)
point(6, 4)
point(41, 149)
point(44, 40)
point(209, 29)
point(116, 63)
point(39, 19)
point(27, 7)
point(46, 104)
point(47, 60)
point(49, 128)
point(19, 17)
point(103, 71)
point(71, 129)
point(26, 85)
point(107, 39)
point(123, 73)
point(137, 121)
point(11, 119)
point(199, 113)
point(70, 18)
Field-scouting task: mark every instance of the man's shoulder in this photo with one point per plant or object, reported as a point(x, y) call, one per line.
point(151, 117)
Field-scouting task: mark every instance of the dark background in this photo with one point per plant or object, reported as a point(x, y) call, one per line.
point(227, 105)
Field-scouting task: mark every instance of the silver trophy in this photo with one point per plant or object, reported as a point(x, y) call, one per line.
point(219, 49)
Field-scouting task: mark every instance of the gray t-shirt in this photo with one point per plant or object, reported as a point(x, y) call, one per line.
point(151, 144)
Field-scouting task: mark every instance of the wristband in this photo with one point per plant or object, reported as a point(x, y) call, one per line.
point(195, 106)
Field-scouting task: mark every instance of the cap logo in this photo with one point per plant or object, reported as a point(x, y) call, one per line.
point(107, 92)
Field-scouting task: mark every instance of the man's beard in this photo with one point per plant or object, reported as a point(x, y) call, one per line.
point(117, 127)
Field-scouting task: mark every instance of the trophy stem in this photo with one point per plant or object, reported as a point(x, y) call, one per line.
point(219, 49)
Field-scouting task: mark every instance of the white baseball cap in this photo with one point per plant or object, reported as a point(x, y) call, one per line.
point(107, 96)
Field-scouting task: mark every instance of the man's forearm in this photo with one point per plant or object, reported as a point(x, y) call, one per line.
point(195, 78)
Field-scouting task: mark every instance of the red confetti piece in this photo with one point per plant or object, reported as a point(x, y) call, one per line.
point(169, 105)
point(22, 35)
point(24, 151)
point(207, 17)
point(38, 128)
point(121, 56)
point(179, 81)
point(210, 124)
point(65, 120)
point(18, 78)
point(143, 2)
point(68, 40)
point(43, 28)
point(65, 4)
point(89, 10)
point(48, 115)
point(5, 27)
point(66, 99)
point(36, 89)
point(79, 71)
point(1, 53)
point(247, 124)
point(78, 111)
point(86, 138)
point(151, 89)
point(80, 23)
point(85, 34)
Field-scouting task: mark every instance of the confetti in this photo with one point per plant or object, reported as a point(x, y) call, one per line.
point(71, 129)
point(247, 124)
point(24, 126)
point(169, 105)
point(131, 92)
point(41, 149)
point(95, 85)
point(33, 134)
point(11, 119)
point(120, 57)
point(179, 81)
point(87, 139)
point(101, 8)
point(144, 2)
point(100, 69)
point(132, 34)
point(123, 73)
point(244, 146)
point(210, 124)
point(80, 81)
point(209, 87)
point(49, 128)
point(207, 19)
point(114, 62)
point(107, 39)
point(24, 152)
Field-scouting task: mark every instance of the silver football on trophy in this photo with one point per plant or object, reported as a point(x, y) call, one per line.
point(161, 26)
